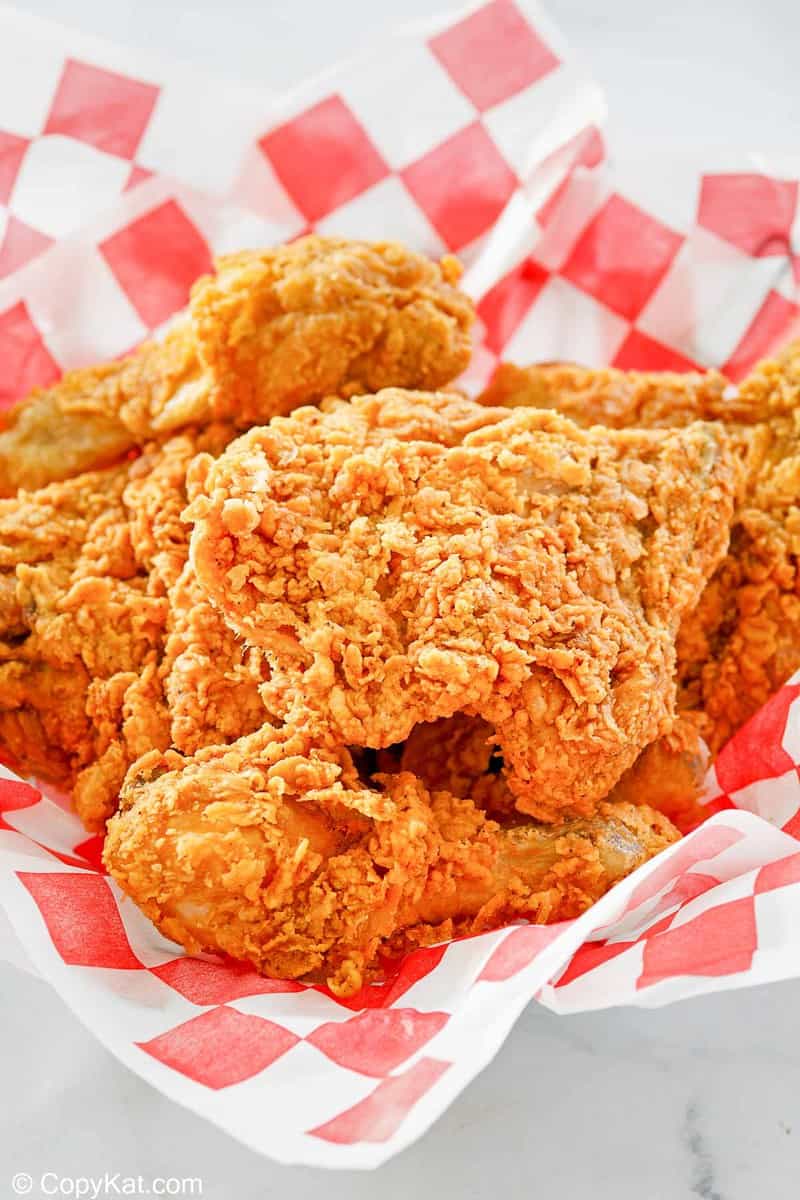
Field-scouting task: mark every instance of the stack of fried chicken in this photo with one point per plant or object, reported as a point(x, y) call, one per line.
point(343, 662)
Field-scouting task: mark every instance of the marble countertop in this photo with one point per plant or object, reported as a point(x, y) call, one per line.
point(701, 1099)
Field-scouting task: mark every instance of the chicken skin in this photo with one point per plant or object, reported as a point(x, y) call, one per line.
point(742, 641)
point(269, 331)
point(408, 556)
point(275, 852)
point(106, 648)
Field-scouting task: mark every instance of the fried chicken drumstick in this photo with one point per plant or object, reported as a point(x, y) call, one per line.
point(269, 331)
point(408, 556)
point(275, 852)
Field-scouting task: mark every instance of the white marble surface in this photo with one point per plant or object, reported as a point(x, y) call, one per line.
point(701, 1099)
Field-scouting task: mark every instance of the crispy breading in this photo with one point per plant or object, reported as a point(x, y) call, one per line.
point(408, 556)
point(101, 629)
point(611, 397)
point(270, 330)
point(743, 639)
point(460, 755)
point(273, 851)
point(94, 416)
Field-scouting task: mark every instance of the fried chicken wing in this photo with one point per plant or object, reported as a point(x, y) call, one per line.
point(269, 331)
point(275, 852)
point(742, 641)
point(409, 556)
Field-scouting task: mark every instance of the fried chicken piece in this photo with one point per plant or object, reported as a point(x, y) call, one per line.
point(51, 596)
point(273, 851)
point(460, 755)
point(92, 417)
point(323, 317)
point(611, 397)
point(742, 641)
point(409, 555)
point(101, 629)
point(270, 330)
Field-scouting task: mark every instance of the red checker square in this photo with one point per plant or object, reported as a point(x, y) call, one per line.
point(91, 851)
point(462, 186)
point(109, 111)
point(12, 152)
point(770, 326)
point(753, 212)
point(519, 949)
point(641, 353)
point(720, 941)
point(505, 306)
point(792, 826)
point(14, 795)
point(782, 873)
point(138, 175)
point(622, 256)
point(20, 244)
point(493, 54)
point(589, 956)
point(323, 158)
point(156, 259)
point(586, 149)
point(377, 1041)
point(27, 363)
point(756, 751)
point(401, 974)
point(686, 888)
point(380, 1114)
point(221, 1047)
point(82, 919)
point(703, 846)
point(209, 983)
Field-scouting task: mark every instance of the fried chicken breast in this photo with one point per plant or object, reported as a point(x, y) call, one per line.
point(404, 557)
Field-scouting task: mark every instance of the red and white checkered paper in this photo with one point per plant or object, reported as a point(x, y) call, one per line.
point(478, 133)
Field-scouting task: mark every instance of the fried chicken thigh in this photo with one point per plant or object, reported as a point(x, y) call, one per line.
point(404, 557)
point(275, 852)
point(269, 331)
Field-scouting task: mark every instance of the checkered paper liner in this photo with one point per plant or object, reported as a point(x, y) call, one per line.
point(477, 133)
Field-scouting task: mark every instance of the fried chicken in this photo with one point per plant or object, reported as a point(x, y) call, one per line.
point(409, 556)
point(460, 755)
point(269, 331)
point(101, 629)
point(611, 397)
point(742, 641)
point(274, 851)
point(92, 417)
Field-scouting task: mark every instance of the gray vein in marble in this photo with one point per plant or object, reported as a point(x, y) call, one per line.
point(701, 1162)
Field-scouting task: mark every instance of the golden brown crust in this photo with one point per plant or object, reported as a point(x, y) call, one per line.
point(408, 555)
point(274, 851)
point(743, 639)
point(327, 316)
point(100, 631)
point(269, 331)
